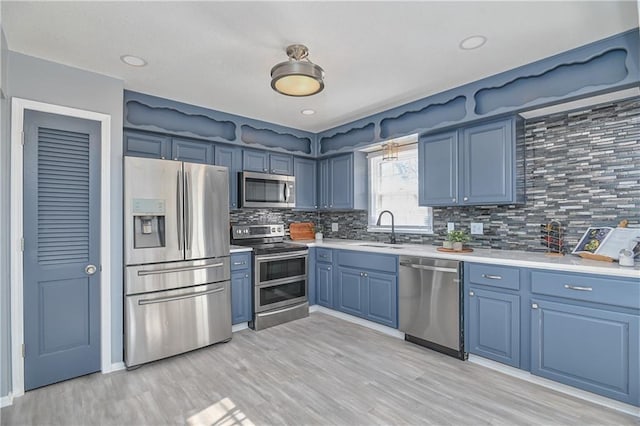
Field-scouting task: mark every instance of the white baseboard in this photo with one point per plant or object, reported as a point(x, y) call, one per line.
point(117, 366)
point(363, 322)
point(239, 327)
point(550, 384)
point(6, 401)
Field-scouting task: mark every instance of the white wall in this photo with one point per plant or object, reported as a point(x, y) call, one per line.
point(40, 80)
point(5, 173)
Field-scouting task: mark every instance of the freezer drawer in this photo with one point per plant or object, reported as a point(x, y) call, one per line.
point(166, 323)
point(167, 276)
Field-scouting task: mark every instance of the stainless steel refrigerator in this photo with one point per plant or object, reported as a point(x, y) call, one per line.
point(177, 267)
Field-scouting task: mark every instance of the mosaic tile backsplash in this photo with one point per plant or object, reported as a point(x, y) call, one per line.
point(582, 169)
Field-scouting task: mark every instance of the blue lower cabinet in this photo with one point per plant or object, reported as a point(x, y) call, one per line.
point(351, 291)
point(324, 284)
point(241, 286)
point(382, 298)
point(593, 349)
point(493, 326)
point(368, 294)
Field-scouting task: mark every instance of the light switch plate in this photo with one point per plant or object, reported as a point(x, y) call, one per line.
point(476, 228)
point(450, 226)
point(334, 227)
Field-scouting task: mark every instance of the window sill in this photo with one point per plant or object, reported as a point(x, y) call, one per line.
point(401, 230)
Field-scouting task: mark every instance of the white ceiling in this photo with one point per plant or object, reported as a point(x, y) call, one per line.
point(376, 55)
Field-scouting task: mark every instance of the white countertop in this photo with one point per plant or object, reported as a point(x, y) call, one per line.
point(238, 249)
point(525, 259)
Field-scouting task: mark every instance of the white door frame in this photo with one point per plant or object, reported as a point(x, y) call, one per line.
point(18, 106)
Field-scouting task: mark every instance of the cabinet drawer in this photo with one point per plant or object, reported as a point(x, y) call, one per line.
point(590, 288)
point(324, 255)
point(240, 261)
point(495, 276)
point(368, 261)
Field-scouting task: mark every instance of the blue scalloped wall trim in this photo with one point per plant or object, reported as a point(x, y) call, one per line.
point(350, 138)
point(177, 121)
point(560, 81)
point(429, 116)
point(272, 139)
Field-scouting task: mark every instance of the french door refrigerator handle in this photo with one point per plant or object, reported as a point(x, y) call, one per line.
point(179, 209)
point(188, 199)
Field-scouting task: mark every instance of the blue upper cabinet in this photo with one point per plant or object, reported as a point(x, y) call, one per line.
point(438, 169)
point(488, 163)
point(476, 165)
point(265, 162)
point(343, 182)
point(192, 151)
point(151, 145)
point(255, 161)
point(231, 158)
point(305, 172)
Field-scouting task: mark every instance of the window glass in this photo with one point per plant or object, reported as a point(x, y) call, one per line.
point(393, 185)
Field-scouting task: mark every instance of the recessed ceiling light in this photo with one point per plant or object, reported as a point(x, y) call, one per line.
point(134, 61)
point(473, 42)
point(307, 111)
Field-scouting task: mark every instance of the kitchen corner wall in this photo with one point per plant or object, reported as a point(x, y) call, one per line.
point(582, 169)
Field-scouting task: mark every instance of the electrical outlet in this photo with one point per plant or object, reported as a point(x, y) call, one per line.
point(476, 228)
point(334, 227)
point(450, 226)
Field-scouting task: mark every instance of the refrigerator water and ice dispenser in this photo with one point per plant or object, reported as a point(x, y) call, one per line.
point(148, 222)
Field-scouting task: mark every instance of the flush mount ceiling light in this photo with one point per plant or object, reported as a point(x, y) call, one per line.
point(134, 61)
point(473, 42)
point(297, 77)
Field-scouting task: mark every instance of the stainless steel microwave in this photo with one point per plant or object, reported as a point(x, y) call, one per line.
point(265, 190)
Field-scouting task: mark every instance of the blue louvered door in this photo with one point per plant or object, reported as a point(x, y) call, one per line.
point(61, 232)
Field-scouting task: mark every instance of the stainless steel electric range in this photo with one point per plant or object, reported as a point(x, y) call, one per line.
point(280, 289)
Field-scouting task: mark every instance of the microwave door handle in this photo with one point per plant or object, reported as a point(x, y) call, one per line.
point(287, 192)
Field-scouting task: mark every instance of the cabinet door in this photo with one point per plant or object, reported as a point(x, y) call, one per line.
point(281, 164)
point(323, 184)
point(305, 172)
point(146, 145)
point(592, 349)
point(194, 152)
point(240, 296)
point(255, 161)
point(351, 293)
point(324, 285)
point(341, 182)
point(488, 163)
point(231, 158)
point(494, 325)
point(382, 298)
point(438, 170)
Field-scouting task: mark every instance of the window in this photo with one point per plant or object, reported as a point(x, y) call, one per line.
point(393, 185)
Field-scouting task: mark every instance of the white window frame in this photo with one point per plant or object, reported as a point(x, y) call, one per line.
point(399, 229)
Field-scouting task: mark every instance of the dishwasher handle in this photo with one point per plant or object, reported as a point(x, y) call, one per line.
point(429, 268)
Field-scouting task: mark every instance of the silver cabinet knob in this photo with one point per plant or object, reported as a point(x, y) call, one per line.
point(471, 293)
point(246, 275)
point(453, 199)
point(328, 268)
point(264, 170)
point(466, 198)
point(366, 275)
point(315, 207)
point(90, 269)
point(534, 306)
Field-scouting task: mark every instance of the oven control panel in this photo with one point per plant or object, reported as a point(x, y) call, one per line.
point(239, 232)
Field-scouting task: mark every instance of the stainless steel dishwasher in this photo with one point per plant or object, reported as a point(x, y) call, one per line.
point(430, 304)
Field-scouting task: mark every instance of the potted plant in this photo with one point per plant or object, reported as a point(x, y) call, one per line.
point(457, 238)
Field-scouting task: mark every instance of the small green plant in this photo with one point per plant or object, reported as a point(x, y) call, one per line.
point(458, 236)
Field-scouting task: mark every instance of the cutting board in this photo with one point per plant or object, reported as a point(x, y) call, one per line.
point(302, 231)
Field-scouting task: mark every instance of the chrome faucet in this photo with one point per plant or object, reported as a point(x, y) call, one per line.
point(392, 239)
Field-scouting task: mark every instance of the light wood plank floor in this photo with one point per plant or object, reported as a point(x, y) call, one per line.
point(320, 370)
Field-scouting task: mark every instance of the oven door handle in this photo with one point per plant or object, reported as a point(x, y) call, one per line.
point(281, 256)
